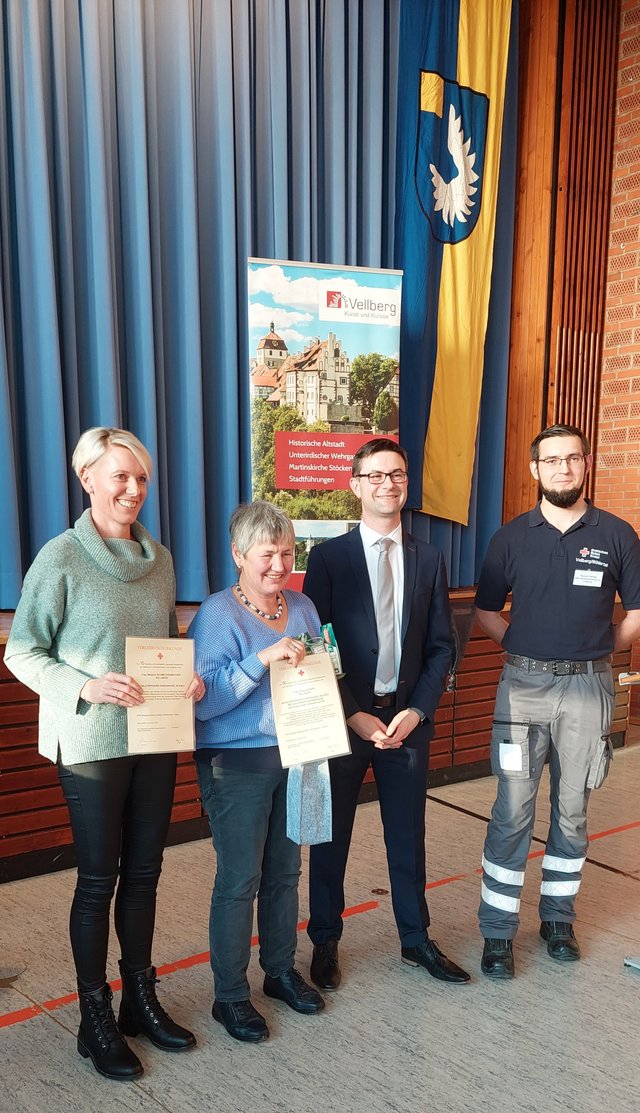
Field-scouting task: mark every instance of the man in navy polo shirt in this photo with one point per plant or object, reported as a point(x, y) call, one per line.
point(563, 562)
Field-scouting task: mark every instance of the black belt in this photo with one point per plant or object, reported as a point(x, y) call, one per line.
point(388, 700)
point(558, 668)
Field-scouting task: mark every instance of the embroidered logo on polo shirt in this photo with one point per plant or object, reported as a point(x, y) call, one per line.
point(593, 556)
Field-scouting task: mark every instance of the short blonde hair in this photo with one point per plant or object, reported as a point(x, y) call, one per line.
point(94, 443)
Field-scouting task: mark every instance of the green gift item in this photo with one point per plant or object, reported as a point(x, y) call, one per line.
point(327, 643)
point(331, 647)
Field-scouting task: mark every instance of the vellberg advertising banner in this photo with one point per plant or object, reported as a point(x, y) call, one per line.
point(324, 378)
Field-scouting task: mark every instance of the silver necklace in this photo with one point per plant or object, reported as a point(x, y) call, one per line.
point(256, 610)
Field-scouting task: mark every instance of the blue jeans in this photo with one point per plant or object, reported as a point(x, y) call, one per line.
point(247, 815)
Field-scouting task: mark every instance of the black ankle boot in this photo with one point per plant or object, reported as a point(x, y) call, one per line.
point(140, 1011)
point(100, 1040)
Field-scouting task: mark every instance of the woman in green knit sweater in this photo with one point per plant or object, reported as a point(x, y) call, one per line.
point(85, 592)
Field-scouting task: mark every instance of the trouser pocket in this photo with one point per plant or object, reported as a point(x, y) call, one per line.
point(510, 748)
point(600, 762)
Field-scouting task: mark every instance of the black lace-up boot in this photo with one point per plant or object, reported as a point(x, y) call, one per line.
point(141, 1012)
point(100, 1040)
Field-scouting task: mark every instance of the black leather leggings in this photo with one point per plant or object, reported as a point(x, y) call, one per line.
point(120, 811)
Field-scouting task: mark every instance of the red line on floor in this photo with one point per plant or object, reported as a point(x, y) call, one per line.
point(356, 909)
point(184, 963)
point(58, 1002)
point(20, 1015)
point(615, 830)
point(446, 880)
point(169, 968)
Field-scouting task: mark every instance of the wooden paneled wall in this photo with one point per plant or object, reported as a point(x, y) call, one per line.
point(567, 76)
point(528, 352)
point(583, 194)
point(35, 836)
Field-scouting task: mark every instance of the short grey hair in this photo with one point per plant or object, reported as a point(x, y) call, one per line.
point(94, 443)
point(253, 523)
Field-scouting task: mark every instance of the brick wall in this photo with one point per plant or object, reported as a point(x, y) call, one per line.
point(617, 485)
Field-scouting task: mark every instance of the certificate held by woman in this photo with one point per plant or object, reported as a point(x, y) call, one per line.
point(307, 709)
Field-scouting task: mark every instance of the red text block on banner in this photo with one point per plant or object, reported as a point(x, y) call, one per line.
point(316, 461)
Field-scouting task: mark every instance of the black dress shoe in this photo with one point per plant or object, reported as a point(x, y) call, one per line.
point(562, 944)
point(291, 988)
point(497, 958)
point(241, 1020)
point(325, 971)
point(430, 957)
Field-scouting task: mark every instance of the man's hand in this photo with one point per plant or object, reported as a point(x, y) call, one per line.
point(366, 726)
point(399, 728)
point(391, 737)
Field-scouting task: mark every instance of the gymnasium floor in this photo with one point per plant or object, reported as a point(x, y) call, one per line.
point(391, 1040)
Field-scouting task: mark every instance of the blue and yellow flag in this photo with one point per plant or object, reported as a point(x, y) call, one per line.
point(453, 61)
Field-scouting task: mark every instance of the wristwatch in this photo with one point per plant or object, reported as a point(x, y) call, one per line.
point(419, 713)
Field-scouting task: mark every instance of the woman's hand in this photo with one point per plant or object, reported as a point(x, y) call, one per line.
point(196, 689)
point(113, 687)
point(287, 649)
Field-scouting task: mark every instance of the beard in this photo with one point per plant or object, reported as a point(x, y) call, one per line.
point(566, 497)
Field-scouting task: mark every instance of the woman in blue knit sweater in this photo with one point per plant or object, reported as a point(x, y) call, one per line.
point(238, 633)
point(84, 593)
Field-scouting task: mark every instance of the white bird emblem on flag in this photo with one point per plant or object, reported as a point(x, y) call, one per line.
point(453, 199)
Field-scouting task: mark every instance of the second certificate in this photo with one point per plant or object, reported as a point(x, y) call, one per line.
point(308, 711)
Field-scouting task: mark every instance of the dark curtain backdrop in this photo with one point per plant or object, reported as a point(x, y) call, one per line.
point(146, 149)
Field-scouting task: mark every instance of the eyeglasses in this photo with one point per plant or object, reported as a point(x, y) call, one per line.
point(377, 477)
point(573, 460)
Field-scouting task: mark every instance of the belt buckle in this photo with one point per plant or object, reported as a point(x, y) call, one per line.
point(569, 668)
point(384, 701)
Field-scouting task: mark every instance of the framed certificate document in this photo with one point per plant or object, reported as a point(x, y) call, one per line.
point(307, 709)
point(163, 667)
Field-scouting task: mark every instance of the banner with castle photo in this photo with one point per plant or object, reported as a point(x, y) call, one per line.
point(324, 378)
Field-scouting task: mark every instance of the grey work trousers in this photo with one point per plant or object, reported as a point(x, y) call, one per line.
point(567, 718)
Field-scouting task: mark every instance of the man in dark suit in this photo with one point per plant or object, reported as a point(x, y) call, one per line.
point(387, 598)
